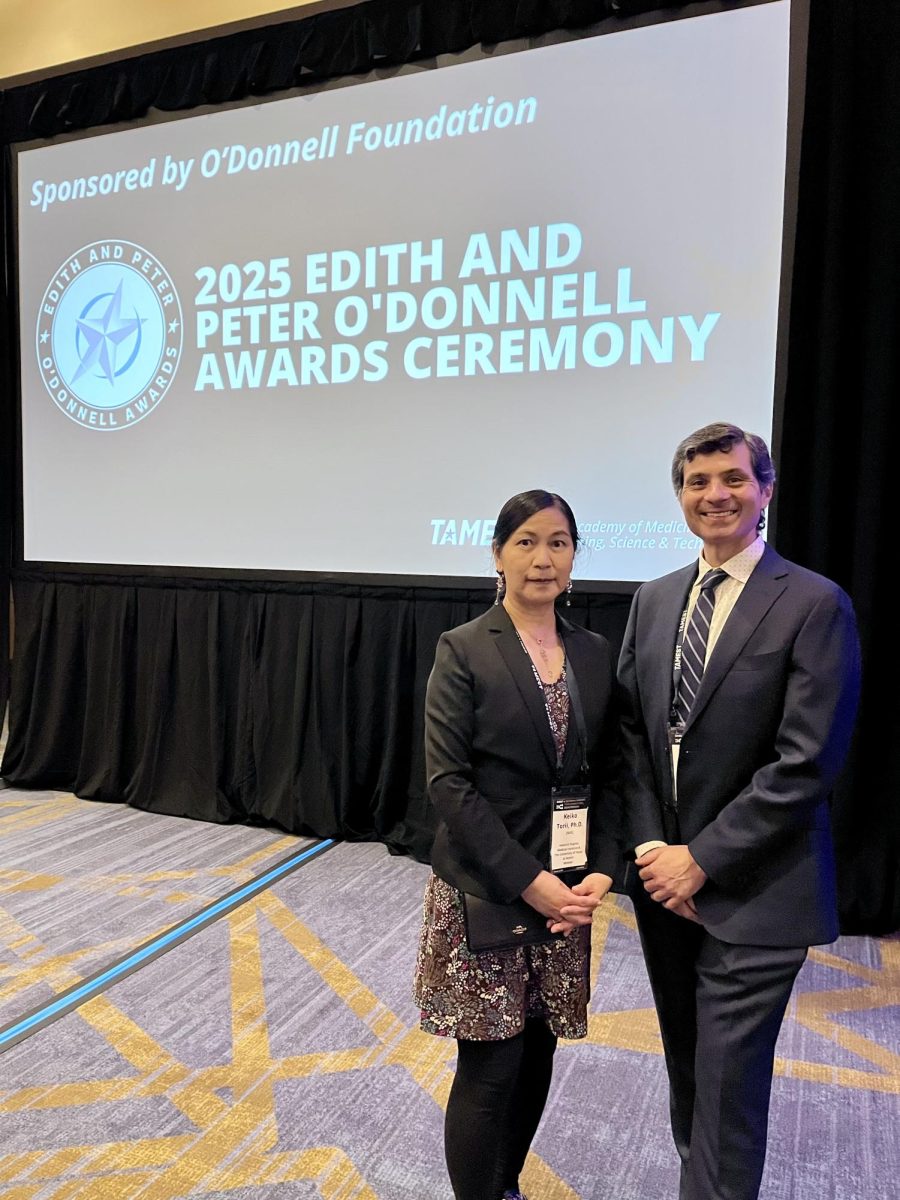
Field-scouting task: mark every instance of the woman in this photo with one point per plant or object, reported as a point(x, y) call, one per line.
point(519, 702)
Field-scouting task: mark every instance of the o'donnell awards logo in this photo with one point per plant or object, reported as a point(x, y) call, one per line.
point(109, 335)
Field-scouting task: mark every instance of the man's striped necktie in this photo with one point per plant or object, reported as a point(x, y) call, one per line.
point(693, 647)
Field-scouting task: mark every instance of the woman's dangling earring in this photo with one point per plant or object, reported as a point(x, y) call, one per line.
point(568, 594)
point(501, 587)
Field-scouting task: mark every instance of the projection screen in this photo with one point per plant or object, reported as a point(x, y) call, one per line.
point(332, 333)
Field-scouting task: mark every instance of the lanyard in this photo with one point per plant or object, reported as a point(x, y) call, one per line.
point(574, 704)
point(676, 665)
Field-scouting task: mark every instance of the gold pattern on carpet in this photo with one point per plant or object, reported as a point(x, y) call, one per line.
point(234, 1142)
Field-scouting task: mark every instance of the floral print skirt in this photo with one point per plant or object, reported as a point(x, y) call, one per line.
point(487, 996)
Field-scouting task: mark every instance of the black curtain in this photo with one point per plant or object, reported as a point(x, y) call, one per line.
point(278, 703)
point(301, 704)
point(7, 411)
point(841, 424)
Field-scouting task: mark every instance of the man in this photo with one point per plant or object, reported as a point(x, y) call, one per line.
point(740, 690)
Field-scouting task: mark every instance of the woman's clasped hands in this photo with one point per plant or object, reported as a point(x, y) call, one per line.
point(566, 908)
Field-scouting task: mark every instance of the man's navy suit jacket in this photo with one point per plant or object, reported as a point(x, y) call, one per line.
point(766, 737)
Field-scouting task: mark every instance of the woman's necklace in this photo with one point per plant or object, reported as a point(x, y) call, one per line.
point(543, 652)
point(545, 657)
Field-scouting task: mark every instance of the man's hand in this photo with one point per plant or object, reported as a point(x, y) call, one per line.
point(672, 876)
point(688, 911)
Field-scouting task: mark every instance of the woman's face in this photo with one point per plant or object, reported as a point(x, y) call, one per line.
point(536, 560)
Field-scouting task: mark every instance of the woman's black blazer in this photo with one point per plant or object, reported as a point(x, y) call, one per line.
point(491, 760)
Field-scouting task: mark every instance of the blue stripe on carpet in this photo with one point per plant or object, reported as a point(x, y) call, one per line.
point(178, 933)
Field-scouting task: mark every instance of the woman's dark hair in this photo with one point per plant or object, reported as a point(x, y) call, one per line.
point(518, 509)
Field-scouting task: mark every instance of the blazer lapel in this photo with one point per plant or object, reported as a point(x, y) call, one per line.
point(519, 665)
point(766, 583)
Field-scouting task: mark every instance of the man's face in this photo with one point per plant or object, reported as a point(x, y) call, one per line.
point(721, 500)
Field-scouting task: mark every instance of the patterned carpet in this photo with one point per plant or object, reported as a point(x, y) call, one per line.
point(81, 884)
point(275, 1054)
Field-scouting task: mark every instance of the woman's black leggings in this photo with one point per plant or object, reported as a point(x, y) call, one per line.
point(495, 1105)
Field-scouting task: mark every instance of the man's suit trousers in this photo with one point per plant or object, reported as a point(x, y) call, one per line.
point(720, 1008)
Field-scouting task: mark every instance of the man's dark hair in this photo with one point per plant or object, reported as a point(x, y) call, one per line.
point(723, 437)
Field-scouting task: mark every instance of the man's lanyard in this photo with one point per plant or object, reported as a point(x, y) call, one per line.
point(676, 665)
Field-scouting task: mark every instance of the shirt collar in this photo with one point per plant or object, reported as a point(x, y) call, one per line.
point(739, 566)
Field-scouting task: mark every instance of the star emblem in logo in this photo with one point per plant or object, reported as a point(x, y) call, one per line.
point(104, 335)
point(108, 335)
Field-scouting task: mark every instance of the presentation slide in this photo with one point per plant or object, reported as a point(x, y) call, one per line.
point(335, 332)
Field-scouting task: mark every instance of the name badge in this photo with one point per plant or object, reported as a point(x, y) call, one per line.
point(676, 732)
point(569, 828)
